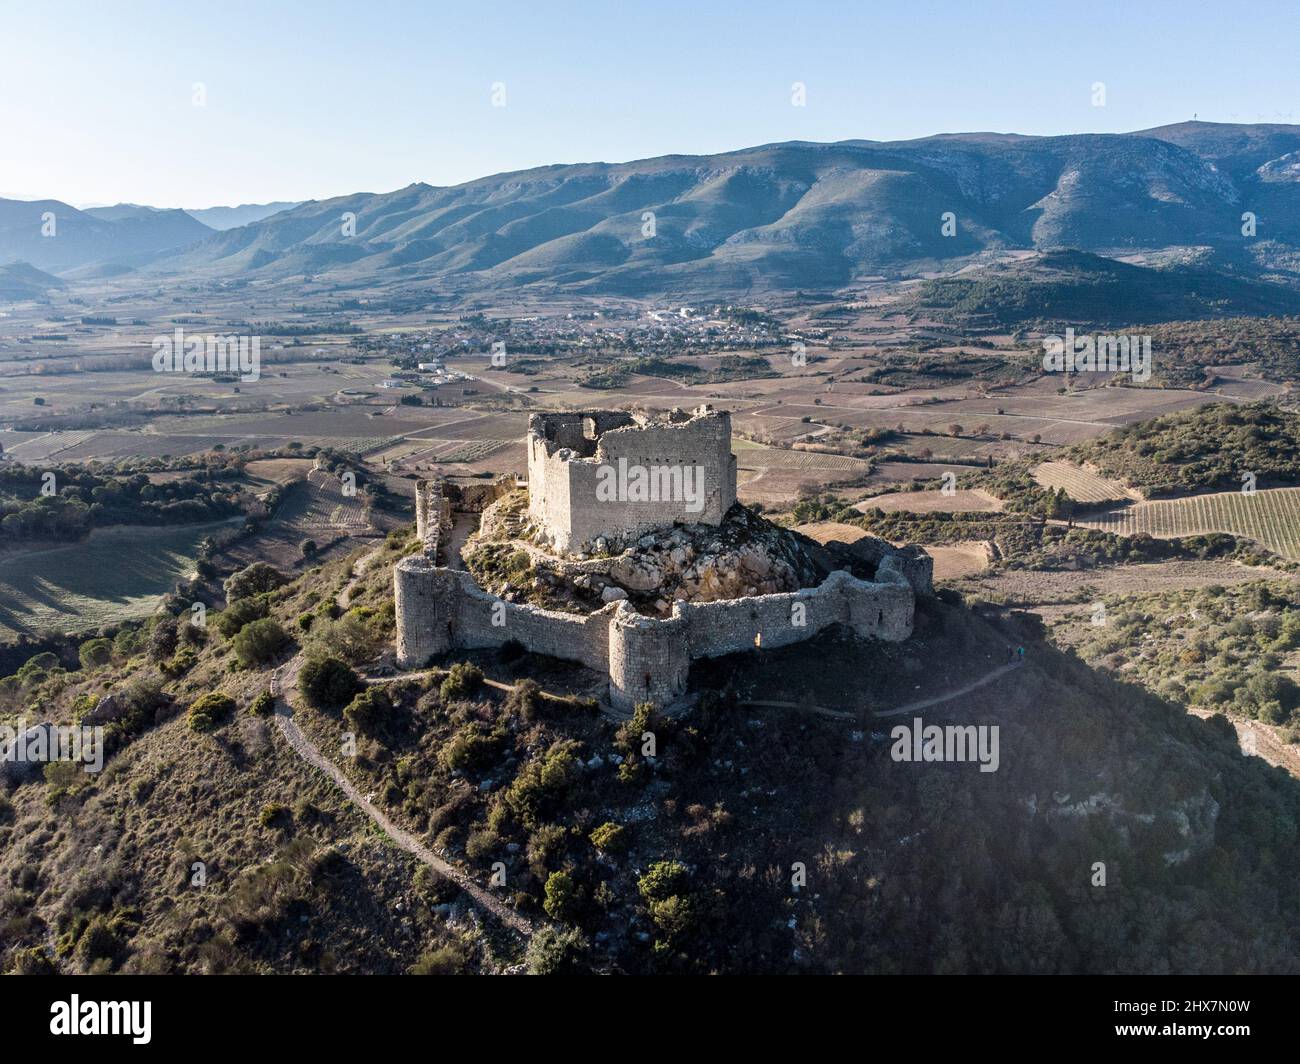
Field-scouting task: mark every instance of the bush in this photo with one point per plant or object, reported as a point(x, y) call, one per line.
point(662, 880)
point(554, 951)
point(263, 705)
point(328, 683)
point(525, 699)
point(473, 748)
point(95, 653)
point(162, 639)
point(609, 838)
point(210, 711)
point(274, 814)
point(463, 679)
point(563, 897)
point(260, 642)
point(231, 621)
point(446, 960)
point(368, 711)
point(99, 948)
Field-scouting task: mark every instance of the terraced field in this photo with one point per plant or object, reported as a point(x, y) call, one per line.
point(1271, 517)
point(1079, 483)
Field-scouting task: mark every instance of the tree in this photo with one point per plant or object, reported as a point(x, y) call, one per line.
point(259, 642)
point(255, 579)
point(328, 683)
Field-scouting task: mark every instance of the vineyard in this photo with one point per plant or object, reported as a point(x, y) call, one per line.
point(1078, 483)
point(1271, 517)
point(319, 505)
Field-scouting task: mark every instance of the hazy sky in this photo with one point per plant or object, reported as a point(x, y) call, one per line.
point(309, 100)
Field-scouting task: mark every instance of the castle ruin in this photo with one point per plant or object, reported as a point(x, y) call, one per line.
point(580, 494)
point(679, 468)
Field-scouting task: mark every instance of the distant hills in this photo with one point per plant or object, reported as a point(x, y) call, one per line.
point(233, 217)
point(57, 237)
point(1079, 287)
point(21, 280)
point(770, 218)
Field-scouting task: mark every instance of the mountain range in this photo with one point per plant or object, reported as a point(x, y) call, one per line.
point(776, 217)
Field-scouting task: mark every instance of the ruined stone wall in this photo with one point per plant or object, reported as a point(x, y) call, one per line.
point(475, 498)
point(432, 516)
point(646, 658)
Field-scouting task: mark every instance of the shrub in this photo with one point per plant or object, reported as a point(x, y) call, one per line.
point(445, 960)
point(609, 838)
point(263, 705)
point(556, 951)
point(563, 897)
point(463, 679)
point(260, 642)
point(231, 621)
point(210, 711)
point(99, 946)
point(368, 711)
point(328, 683)
point(95, 653)
point(525, 699)
point(472, 748)
point(662, 880)
point(274, 814)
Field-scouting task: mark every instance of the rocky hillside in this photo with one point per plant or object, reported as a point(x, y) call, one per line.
point(1118, 833)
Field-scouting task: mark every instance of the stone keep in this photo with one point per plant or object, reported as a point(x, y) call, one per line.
point(568, 452)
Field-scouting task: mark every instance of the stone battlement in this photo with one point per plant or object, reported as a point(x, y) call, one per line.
point(647, 659)
point(614, 476)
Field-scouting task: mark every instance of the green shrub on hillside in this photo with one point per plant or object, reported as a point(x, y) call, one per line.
point(328, 683)
point(210, 711)
point(260, 642)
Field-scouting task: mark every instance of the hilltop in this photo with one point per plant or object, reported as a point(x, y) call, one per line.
point(680, 861)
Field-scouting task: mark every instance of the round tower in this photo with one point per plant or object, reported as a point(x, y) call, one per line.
point(424, 605)
point(649, 659)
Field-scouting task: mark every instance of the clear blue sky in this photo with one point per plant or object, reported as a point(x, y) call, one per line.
point(308, 100)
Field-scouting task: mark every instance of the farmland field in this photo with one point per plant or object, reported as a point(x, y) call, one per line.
point(1080, 484)
point(319, 505)
point(115, 574)
point(1270, 517)
point(928, 502)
